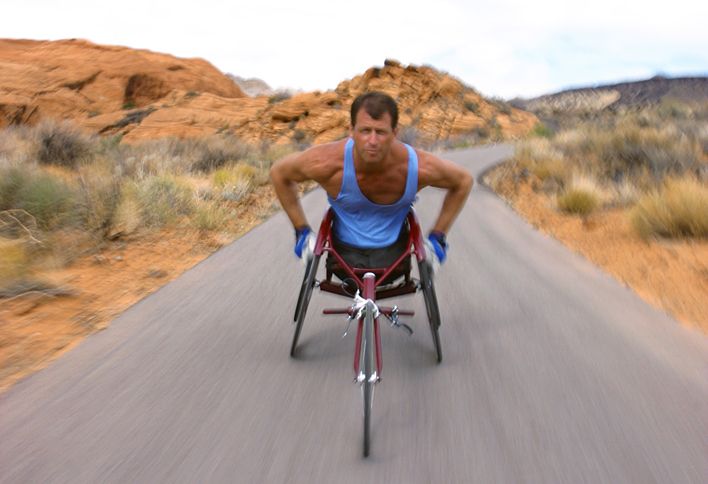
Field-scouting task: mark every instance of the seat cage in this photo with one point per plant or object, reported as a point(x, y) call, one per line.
point(396, 269)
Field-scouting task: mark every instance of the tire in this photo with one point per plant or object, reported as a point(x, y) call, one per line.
point(303, 300)
point(431, 304)
point(368, 355)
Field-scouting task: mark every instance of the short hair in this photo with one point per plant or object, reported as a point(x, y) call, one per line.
point(375, 104)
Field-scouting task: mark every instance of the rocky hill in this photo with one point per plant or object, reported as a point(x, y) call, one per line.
point(252, 86)
point(615, 97)
point(76, 79)
point(145, 95)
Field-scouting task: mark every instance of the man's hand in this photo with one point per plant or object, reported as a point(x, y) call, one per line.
point(437, 247)
point(304, 242)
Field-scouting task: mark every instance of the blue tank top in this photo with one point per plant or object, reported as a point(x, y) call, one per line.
point(359, 222)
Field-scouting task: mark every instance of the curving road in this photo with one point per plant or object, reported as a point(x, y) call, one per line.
point(552, 372)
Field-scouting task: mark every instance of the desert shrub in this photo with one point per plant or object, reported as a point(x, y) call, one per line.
point(678, 209)
point(542, 131)
point(625, 193)
point(214, 152)
point(97, 197)
point(552, 172)
point(577, 201)
point(14, 261)
point(235, 182)
point(535, 150)
point(582, 196)
point(62, 145)
point(127, 217)
point(12, 180)
point(539, 157)
point(631, 150)
point(164, 199)
point(210, 216)
point(46, 197)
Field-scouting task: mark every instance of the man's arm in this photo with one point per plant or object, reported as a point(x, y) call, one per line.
point(285, 175)
point(439, 173)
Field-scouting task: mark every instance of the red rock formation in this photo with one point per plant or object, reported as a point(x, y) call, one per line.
point(75, 79)
point(145, 95)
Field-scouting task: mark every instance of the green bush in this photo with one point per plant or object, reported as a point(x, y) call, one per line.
point(46, 197)
point(164, 199)
point(11, 182)
point(210, 216)
point(542, 131)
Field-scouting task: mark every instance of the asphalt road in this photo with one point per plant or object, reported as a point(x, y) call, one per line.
point(552, 372)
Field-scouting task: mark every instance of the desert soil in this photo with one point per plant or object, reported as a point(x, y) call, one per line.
point(671, 275)
point(37, 328)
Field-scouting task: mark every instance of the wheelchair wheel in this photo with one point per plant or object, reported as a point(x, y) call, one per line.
point(431, 304)
point(303, 300)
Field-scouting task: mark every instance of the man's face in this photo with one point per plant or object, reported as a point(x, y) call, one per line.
point(372, 137)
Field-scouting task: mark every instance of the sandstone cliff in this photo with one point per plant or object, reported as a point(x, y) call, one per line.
point(79, 80)
point(144, 95)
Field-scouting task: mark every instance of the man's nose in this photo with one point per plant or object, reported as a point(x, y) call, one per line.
point(372, 138)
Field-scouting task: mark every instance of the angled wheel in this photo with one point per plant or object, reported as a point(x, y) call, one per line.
point(431, 304)
point(303, 300)
point(367, 354)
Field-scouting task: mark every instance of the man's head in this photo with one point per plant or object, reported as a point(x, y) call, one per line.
point(376, 104)
point(374, 121)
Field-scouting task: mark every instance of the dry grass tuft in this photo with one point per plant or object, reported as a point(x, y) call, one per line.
point(678, 209)
point(582, 197)
point(235, 182)
point(210, 216)
point(164, 199)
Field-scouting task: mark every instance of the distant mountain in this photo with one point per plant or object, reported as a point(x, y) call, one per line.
point(613, 97)
point(253, 86)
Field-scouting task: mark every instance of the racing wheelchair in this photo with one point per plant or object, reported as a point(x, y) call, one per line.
point(367, 286)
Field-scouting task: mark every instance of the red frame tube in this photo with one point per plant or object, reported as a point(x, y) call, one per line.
point(367, 286)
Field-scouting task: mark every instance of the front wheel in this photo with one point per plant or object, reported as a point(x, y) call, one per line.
point(431, 304)
point(303, 300)
point(368, 355)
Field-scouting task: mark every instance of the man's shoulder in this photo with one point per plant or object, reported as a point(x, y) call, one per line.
point(333, 151)
point(322, 161)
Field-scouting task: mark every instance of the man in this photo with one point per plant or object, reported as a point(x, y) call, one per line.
point(371, 180)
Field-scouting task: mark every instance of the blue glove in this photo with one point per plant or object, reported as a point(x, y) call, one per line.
point(303, 235)
point(438, 244)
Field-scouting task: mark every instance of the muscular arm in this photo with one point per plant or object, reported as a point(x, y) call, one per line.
point(317, 163)
point(285, 175)
point(439, 173)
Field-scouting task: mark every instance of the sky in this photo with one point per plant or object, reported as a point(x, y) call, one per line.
point(502, 48)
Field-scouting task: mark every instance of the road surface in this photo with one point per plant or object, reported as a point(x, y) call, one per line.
point(552, 372)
